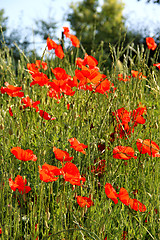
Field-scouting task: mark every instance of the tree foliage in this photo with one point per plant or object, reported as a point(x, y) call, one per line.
point(12, 38)
point(3, 24)
point(45, 29)
point(154, 1)
point(93, 23)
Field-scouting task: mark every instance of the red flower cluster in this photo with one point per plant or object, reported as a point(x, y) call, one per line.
point(29, 103)
point(34, 67)
point(84, 201)
point(89, 76)
point(12, 90)
point(123, 118)
point(63, 84)
point(137, 74)
point(124, 198)
point(48, 173)
point(19, 184)
point(39, 78)
point(69, 172)
point(58, 48)
point(123, 78)
point(73, 38)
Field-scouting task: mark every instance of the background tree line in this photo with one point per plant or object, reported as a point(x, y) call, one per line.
point(93, 24)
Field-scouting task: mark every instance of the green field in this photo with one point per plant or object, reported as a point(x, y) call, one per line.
point(102, 110)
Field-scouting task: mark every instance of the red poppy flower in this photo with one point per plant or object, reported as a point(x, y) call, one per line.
point(122, 116)
point(10, 112)
point(88, 60)
point(45, 115)
point(58, 48)
point(122, 152)
point(19, 184)
point(59, 52)
point(103, 86)
point(111, 193)
point(122, 78)
point(68, 106)
point(79, 62)
point(76, 145)
point(51, 44)
point(71, 174)
point(124, 235)
point(12, 90)
point(59, 73)
point(84, 201)
point(157, 65)
point(23, 155)
point(73, 82)
point(32, 68)
point(133, 203)
point(61, 155)
point(48, 172)
point(137, 116)
point(73, 38)
point(29, 103)
point(58, 87)
point(39, 78)
point(41, 64)
point(0, 231)
point(148, 146)
point(62, 84)
point(136, 205)
point(124, 196)
point(86, 75)
point(137, 74)
point(151, 43)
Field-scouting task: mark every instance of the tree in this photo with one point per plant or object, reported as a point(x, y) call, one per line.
point(154, 1)
point(111, 21)
point(45, 29)
point(14, 36)
point(3, 25)
point(83, 20)
point(92, 25)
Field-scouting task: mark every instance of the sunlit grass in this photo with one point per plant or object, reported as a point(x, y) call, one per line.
point(52, 207)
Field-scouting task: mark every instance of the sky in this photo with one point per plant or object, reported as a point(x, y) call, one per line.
point(22, 14)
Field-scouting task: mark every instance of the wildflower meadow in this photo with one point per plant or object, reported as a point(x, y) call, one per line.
point(79, 156)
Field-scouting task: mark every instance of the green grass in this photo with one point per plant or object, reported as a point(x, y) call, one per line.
point(53, 206)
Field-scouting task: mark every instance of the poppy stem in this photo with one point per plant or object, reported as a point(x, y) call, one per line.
point(117, 169)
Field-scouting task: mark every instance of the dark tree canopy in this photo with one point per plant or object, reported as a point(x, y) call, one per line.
point(154, 1)
point(93, 24)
